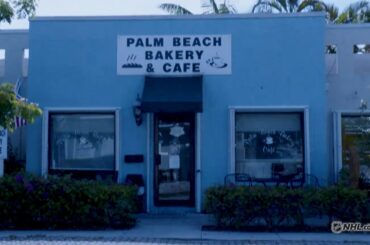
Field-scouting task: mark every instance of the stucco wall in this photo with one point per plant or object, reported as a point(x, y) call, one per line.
point(15, 42)
point(351, 82)
point(276, 61)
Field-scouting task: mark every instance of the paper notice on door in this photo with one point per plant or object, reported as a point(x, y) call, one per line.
point(174, 161)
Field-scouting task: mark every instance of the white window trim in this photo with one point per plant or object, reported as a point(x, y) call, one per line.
point(45, 130)
point(269, 109)
point(198, 162)
point(337, 116)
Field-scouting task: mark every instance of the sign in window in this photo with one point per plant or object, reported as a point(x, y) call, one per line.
point(268, 144)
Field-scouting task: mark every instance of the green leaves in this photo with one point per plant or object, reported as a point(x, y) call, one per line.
point(25, 8)
point(358, 12)
point(242, 207)
point(22, 8)
point(210, 7)
point(6, 11)
point(31, 202)
point(288, 6)
point(174, 9)
point(10, 107)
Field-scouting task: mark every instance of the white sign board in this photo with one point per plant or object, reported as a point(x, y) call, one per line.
point(174, 55)
point(3, 143)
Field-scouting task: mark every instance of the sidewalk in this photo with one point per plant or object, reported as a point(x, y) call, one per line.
point(187, 227)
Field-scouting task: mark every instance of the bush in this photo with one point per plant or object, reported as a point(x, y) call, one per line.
point(30, 202)
point(240, 207)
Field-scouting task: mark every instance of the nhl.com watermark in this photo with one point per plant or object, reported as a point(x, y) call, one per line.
point(339, 227)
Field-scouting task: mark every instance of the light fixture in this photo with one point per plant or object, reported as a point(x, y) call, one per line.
point(137, 111)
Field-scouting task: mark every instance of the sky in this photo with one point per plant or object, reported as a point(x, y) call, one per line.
point(127, 7)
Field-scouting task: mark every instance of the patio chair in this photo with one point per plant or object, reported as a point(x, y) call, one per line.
point(305, 180)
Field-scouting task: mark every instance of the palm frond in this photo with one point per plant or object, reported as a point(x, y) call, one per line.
point(292, 6)
point(311, 5)
point(6, 11)
point(174, 9)
point(332, 12)
point(223, 8)
point(267, 6)
point(357, 12)
point(25, 8)
point(214, 6)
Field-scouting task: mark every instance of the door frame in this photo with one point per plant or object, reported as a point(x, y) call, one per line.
point(337, 136)
point(192, 118)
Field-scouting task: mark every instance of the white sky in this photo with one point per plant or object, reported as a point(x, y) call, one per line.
point(127, 7)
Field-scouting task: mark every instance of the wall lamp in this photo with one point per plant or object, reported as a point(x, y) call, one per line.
point(138, 113)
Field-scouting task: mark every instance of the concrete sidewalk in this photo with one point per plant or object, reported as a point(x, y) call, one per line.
point(185, 227)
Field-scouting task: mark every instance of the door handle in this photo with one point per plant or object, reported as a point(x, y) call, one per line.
point(157, 159)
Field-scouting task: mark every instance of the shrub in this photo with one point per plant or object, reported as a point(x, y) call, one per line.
point(240, 207)
point(28, 201)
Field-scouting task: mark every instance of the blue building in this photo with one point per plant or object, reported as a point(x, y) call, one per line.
point(181, 101)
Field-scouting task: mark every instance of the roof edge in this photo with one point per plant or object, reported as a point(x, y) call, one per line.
point(348, 26)
point(175, 17)
point(13, 31)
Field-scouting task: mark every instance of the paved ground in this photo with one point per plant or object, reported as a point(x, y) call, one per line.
point(150, 241)
point(174, 229)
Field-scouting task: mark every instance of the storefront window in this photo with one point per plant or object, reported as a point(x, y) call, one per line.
point(269, 144)
point(82, 141)
point(356, 147)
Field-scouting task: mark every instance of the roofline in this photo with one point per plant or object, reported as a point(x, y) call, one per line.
point(348, 26)
point(176, 17)
point(13, 31)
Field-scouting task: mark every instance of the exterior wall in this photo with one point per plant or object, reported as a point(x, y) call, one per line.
point(351, 82)
point(348, 80)
point(15, 42)
point(276, 61)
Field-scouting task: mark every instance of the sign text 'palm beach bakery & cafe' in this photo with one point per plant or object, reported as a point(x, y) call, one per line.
point(174, 55)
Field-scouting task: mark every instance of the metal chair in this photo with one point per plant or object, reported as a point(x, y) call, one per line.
point(238, 179)
point(305, 180)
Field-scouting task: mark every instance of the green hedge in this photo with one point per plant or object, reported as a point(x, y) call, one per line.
point(30, 202)
point(241, 207)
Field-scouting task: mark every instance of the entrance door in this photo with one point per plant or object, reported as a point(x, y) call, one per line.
point(174, 160)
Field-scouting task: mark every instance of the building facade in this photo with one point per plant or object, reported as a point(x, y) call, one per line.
point(14, 69)
point(181, 101)
point(348, 91)
point(177, 103)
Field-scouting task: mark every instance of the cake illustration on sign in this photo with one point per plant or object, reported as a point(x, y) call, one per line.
point(131, 62)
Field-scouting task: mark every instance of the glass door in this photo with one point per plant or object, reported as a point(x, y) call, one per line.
point(174, 159)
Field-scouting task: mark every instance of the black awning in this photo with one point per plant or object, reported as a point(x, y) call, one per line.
point(173, 94)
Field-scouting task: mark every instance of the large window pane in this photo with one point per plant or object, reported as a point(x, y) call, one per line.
point(82, 141)
point(356, 146)
point(267, 143)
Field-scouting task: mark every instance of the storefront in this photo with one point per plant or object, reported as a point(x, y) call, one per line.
point(182, 101)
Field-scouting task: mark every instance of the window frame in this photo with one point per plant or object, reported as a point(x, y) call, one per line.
point(3, 72)
point(269, 109)
point(46, 135)
point(337, 128)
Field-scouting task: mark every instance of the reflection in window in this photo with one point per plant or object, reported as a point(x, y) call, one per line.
point(356, 147)
point(82, 141)
point(268, 144)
